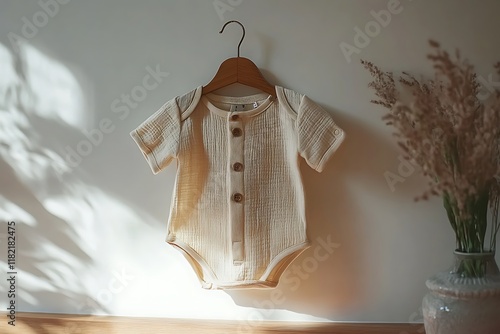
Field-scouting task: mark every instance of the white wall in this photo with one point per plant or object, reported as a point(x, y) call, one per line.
point(78, 228)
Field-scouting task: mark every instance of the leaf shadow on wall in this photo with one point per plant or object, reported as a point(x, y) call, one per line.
point(63, 264)
point(49, 256)
point(335, 286)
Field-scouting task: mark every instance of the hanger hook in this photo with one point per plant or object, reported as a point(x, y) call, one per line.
point(242, 37)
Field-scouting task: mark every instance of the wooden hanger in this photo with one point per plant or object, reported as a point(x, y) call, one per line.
point(238, 70)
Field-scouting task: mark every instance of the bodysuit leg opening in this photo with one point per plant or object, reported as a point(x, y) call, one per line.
point(203, 271)
point(278, 265)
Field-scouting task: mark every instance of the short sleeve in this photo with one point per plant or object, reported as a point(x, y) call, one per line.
point(158, 136)
point(318, 135)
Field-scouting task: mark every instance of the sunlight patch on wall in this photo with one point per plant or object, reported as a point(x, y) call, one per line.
point(9, 209)
point(53, 88)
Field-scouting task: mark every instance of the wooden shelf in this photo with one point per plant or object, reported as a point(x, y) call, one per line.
point(47, 323)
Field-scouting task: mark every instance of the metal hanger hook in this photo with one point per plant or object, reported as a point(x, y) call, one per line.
point(242, 37)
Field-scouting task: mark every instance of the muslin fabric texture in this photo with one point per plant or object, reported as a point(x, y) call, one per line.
point(238, 210)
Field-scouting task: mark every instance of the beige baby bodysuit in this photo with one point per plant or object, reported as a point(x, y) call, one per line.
point(237, 211)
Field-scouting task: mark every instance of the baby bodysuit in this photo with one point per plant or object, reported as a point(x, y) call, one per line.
point(237, 210)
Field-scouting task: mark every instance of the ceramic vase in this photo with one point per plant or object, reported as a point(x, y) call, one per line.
point(464, 299)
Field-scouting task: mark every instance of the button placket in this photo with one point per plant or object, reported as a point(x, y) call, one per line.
point(236, 189)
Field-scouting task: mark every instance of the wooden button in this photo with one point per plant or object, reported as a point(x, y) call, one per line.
point(238, 167)
point(237, 132)
point(235, 118)
point(237, 197)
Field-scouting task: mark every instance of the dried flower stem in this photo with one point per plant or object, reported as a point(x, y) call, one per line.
point(453, 136)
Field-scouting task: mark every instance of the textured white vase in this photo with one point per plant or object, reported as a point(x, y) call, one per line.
point(456, 304)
